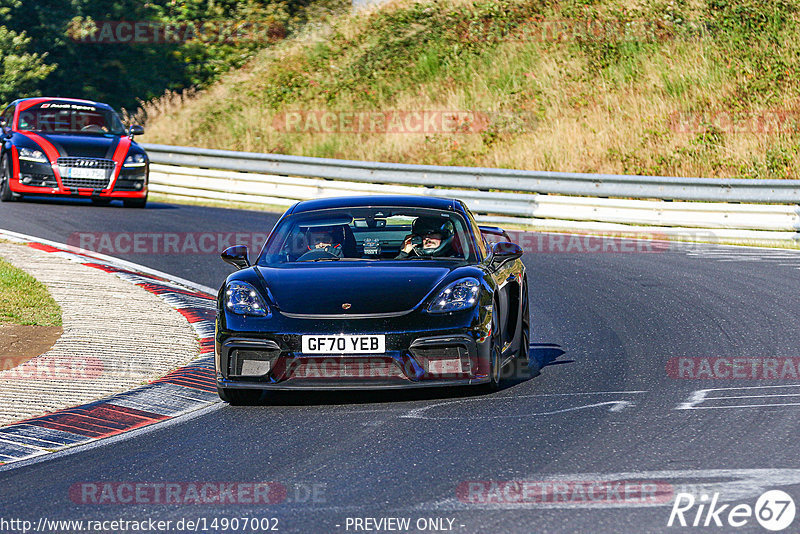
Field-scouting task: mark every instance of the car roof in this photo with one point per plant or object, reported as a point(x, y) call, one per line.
point(401, 201)
point(62, 99)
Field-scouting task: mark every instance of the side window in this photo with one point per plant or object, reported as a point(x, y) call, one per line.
point(8, 115)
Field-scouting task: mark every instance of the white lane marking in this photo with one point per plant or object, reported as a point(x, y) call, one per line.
point(576, 394)
point(391, 409)
point(701, 396)
point(617, 405)
point(746, 254)
point(743, 406)
point(753, 259)
point(741, 484)
point(759, 396)
point(744, 257)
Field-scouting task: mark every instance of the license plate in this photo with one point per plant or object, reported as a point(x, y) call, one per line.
point(343, 344)
point(92, 174)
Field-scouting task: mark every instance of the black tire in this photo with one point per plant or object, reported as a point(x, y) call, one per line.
point(524, 356)
point(525, 334)
point(138, 203)
point(239, 397)
point(496, 345)
point(5, 175)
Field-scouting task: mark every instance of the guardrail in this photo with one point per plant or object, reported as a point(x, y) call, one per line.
point(497, 195)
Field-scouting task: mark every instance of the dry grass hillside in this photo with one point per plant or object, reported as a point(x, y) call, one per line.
point(669, 87)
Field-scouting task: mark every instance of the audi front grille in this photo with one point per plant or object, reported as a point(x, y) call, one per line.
point(84, 172)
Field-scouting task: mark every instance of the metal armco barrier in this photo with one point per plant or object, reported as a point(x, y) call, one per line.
point(500, 195)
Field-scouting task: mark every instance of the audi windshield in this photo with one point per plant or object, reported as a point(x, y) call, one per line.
point(70, 118)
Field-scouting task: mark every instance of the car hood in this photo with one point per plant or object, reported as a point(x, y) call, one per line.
point(89, 146)
point(369, 288)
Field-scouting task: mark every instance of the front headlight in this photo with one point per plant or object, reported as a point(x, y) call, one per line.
point(135, 160)
point(242, 299)
point(460, 295)
point(30, 154)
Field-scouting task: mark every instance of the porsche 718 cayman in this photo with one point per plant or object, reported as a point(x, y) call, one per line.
point(371, 292)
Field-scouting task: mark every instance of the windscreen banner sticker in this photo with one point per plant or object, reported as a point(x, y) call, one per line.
point(67, 106)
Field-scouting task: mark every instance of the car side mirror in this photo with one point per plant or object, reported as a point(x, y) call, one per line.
point(5, 128)
point(495, 231)
point(135, 129)
point(505, 251)
point(236, 256)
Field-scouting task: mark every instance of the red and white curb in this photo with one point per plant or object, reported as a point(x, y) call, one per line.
point(180, 392)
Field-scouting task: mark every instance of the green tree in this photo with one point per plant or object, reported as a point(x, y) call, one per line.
point(20, 71)
point(121, 74)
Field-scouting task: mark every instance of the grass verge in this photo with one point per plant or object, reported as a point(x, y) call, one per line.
point(24, 300)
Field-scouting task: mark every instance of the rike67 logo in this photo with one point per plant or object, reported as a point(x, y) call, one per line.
point(774, 510)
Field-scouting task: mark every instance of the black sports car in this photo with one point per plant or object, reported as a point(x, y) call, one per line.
point(69, 147)
point(371, 292)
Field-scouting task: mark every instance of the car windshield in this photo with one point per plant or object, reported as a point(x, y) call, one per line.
point(70, 117)
point(369, 234)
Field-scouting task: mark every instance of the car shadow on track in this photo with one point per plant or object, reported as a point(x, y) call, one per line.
point(547, 354)
point(514, 374)
point(541, 354)
point(73, 201)
point(333, 398)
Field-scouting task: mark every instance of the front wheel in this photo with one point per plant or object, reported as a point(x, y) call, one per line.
point(239, 397)
point(524, 354)
point(5, 180)
point(525, 334)
point(496, 345)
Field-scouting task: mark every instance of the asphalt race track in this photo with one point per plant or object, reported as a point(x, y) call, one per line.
point(615, 409)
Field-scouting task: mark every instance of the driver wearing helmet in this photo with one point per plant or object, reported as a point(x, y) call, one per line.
point(430, 237)
point(325, 239)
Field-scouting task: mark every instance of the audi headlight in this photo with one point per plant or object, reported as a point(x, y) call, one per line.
point(242, 299)
point(135, 160)
point(460, 295)
point(30, 154)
